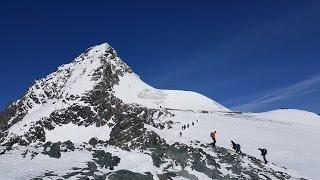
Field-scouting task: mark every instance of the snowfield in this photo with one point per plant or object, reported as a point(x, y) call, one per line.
point(77, 134)
point(132, 89)
point(290, 136)
point(14, 167)
point(28, 169)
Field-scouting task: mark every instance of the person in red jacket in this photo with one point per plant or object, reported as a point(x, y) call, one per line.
point(213, 135)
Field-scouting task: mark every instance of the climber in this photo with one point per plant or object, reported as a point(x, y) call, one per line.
point(236, 147)
point(187, 125)
point(213, 135)
point(180, 134)
point(263, 154)
point(192, 123)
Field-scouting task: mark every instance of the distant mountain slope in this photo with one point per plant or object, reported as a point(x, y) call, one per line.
point(131, 89)
point(95, 118)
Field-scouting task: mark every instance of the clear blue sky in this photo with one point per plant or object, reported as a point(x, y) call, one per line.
point(247, 55)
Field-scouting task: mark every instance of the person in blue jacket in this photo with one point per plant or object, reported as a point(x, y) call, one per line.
point(236, 147)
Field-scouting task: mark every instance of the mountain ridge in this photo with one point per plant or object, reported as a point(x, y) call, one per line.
point(72, 80)
point(110, 114)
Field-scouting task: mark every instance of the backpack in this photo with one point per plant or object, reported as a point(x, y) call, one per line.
point(237, 147)
point(264, 151)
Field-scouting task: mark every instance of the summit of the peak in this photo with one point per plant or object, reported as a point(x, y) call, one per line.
point(102, 46)
point(99, 52)
point(99, 48)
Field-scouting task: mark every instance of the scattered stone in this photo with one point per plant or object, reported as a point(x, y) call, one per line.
point(105, 159)
point(128, 175)
point(54, 149)
point(93, 141)
point(67, 145)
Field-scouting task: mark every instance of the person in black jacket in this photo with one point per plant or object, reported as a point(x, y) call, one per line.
point(236, 147)
point(263, 154)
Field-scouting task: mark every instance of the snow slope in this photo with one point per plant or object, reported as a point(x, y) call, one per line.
point(290, 136)
point(76, 78)
point(77, 134)
point(131, 89)
point(29, 169)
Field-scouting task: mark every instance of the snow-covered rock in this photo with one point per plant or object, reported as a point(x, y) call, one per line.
point(95, 118)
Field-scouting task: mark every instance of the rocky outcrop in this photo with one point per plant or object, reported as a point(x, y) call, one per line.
point(128, 122)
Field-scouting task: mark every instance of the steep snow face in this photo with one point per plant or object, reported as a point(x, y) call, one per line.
point(72, 81)
point(34, 115)
point(131, 89)
point(64, 88)
point(74, 78)
point(290, 136)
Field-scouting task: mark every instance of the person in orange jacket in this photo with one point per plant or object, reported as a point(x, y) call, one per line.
point(213, 135)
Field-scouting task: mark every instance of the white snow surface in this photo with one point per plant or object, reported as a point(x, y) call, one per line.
point(77, 134)
point(135, 161)
point(290, 136)
point(131, 89)
point(14, 167)
point(75, 79)
point(34, 115)
point(27, 168)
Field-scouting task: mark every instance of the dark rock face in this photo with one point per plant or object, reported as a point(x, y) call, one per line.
point(126, 174)
point(166, 176)
point(92, 166)
point(105, 159)
point(52, 149)
point(67, 146)
point(16, 110)
point(184, 155)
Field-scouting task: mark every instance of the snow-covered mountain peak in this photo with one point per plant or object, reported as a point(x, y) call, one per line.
point(82, 74)
point(96, 112)
point(97, 51)
point(68, 85)
point(97, 69)
point(102, 54)
point(100, 47)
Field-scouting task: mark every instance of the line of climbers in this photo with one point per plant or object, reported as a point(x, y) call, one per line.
point(236, 147)
point(187, 126)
